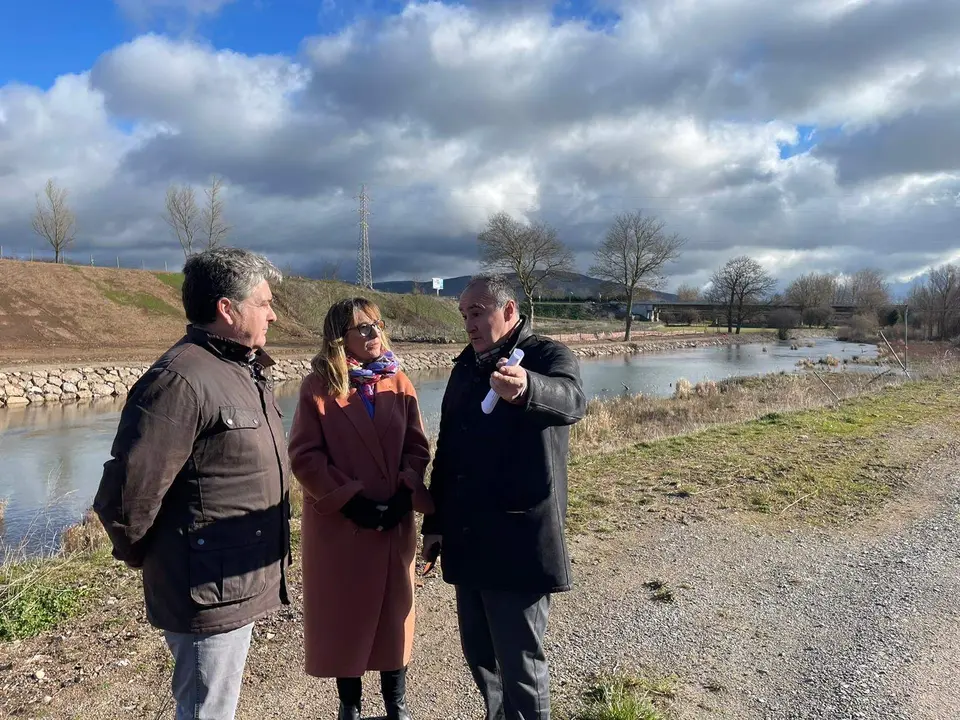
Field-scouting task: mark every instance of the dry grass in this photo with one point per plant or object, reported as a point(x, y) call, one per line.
point(611, 424)
point(87, 536)
point(3, 508)
point(777, 445)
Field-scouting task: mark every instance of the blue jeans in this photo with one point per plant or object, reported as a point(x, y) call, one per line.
point(208, 672)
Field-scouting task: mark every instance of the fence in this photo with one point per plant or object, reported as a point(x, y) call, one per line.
point(91, 260)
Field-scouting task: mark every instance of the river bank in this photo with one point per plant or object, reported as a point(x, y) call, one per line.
point(771, 470)
point(69, 384)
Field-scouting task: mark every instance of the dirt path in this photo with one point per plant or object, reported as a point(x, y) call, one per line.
point(766, 622)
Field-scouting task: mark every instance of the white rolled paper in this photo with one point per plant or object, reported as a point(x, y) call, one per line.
point(491, 399)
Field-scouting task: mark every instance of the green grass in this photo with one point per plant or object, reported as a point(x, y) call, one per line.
point(822, 465)
point(40, 594)
point(141, 300)
point(173, 280)
point(408, 317)
point(628, 698)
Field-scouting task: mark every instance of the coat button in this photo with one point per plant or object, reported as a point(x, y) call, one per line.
point(200, 541)
point(259, 533)
point(229, 421)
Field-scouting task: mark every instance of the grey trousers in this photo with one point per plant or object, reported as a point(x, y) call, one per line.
point(501, 634)
point(208, 672)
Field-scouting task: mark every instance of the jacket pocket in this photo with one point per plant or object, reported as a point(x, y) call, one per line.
point(228, 562)
point(238, 418)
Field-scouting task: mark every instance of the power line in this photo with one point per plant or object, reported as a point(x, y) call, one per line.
point(364, 270)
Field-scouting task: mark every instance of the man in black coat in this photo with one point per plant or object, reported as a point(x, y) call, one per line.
point(499, 482)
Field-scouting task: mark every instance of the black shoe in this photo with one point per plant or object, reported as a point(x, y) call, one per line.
point(393, 685)
point(349, 712)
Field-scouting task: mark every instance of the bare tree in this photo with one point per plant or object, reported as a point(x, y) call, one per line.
point(942, 300)
point(211, 217)
point(923, 311)
point(329, 269)
point(688, 293)
point(813, 295)
point(532, 252)
point(738, 284)
point(182, 215)
point(633, 256)
point(866, 289)
point(53, 220)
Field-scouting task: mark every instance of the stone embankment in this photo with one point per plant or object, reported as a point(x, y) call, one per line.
point(81, 384)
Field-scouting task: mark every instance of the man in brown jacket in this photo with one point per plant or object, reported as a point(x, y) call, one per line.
point(196, 494)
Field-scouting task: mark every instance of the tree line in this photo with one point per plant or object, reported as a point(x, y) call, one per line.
point(193, 224)
point(637, 248)
point(934, 303)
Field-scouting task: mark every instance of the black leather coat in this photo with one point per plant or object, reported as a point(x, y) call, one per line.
point(499, 481)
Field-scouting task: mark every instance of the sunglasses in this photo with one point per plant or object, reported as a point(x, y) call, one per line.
point(366, 329)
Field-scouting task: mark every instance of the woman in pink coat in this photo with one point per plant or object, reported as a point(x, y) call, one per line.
point(358, 448)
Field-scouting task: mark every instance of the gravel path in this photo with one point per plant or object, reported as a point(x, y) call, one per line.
point(766, 622)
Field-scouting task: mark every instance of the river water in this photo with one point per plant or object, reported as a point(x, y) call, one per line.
point(52, 456)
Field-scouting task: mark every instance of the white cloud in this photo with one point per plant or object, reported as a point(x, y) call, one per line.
point(449, 113)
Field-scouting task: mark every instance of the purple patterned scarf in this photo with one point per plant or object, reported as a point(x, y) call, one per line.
point(365, 375)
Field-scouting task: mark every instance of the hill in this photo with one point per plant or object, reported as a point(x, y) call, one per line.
point(559, 287)
point(89, 314)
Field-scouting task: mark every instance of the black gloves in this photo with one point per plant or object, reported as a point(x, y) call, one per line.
point(363, 512)
point(366, 513)
point(398, 507)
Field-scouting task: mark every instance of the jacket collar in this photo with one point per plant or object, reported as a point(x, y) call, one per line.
point(228, 349)
point(518, 335)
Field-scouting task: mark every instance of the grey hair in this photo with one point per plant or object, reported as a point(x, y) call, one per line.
point(496, 286)
point(222, 272)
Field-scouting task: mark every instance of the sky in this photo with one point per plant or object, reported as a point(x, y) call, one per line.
point(814, 135)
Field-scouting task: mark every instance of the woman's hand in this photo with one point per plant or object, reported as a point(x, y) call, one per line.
point(398, 507)
point(364, 512)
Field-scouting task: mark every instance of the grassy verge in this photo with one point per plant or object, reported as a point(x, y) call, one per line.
point(141, 300)
point(820, 465)
point(173, 280)
point(37, 595)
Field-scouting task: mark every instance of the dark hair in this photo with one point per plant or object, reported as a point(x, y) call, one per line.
point(222, 272)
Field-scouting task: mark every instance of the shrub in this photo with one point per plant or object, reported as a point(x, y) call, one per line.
point(706, 388)
point(784, 320)
point(818, 316)
point(862, 328)
point(683, 389)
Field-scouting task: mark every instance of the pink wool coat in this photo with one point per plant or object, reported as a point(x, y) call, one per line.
point(358, 585)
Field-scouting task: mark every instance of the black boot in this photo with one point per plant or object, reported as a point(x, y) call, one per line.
point(393, 685)
point(349, 690)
